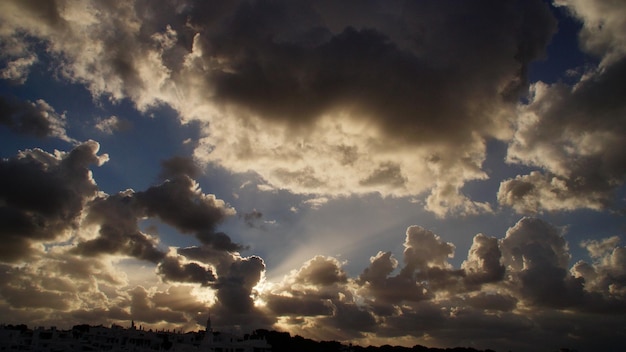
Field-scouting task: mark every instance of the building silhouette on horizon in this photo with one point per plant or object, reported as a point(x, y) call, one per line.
point(116, 338)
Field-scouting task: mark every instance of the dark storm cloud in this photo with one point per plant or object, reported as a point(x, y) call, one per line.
point(389, 290)
point(43, 194)
point(52, 198)
point(390, 95)
point(527, 269)
point(606, 275)
point(353, 320)
point(219, 241)
point(180, 203)
point(178, 166)
point(493, 301)
point(574, 133)
point(538, 255)
point(234, 286)
point(38, 119)
point(321, 289)
point(421, 318)
point(142, 308)
point(423, 74)
point(113, 241)
point(172, 269)
point(237, 277)
point(370, 70)
point(118, 233)
point(299, 305)
point(426, 271)
point(483, 261)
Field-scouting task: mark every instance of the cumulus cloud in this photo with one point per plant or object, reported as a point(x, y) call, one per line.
point(17, 70)
point(172, 269)
point(364, 103)
point(538, 255)
point(606, 274)
point(178, 202)
point(603, 23)
point(574, 132)
point(321, 101)
point(181, 203)
point(518, 285)
point(483, 263)
point(37, 118)
point(43, 194)
point(313, 99)
point(52, 200)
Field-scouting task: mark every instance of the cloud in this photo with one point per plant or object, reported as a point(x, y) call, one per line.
point(346, 109)
point(91, 239)
point(113, 124)
point(582, 157)
point(606, 274)
point(483, 263)
point(42, 196)
point(178, 202)
point(171, 269)
point(424, 249)
point(252, 218)
point(38, 119)
point(492, 302)
point(314, 99)
point(18, 69)
point(181, 203)
point(518, 285)
point(603, 23)
point(179, 166)
point(425, 271)
point(324, 102)
point(142, 309)
point(321, 292)
point(538, 255)
point(116, 217)
point(574, 133)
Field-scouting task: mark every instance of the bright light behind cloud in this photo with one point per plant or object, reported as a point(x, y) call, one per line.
point(333, 128)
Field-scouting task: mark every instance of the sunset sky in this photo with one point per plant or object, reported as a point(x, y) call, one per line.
point(435, 172)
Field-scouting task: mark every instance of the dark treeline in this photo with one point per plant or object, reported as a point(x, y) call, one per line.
point(284, 342)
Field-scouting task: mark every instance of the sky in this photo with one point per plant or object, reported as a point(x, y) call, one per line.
point(444, 173)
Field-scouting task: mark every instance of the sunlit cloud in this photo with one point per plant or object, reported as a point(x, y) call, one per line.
point(317, 127)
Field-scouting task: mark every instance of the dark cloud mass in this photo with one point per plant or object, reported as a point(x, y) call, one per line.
point(369, 66)
point(521, 284)
point(43, 194)
point(309, 103)
point(580, 146)
point(179, 166)
point(38, 119)
point(288, 87)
